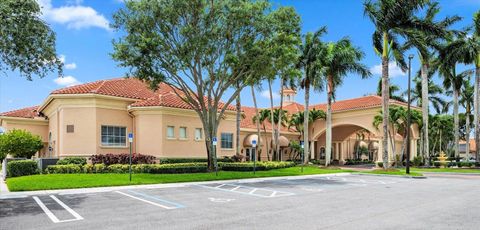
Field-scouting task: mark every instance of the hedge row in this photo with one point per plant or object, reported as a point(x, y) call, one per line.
point(260, 166)
point(195, 167)
point(191, 160)
point(72, 160)
point(22, 168)
point(123, 158)
point(124, 168)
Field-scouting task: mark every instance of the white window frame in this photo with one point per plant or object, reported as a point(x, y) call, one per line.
point(180, 133)
point(173, 132)
point(198, 138)
point(114, 136)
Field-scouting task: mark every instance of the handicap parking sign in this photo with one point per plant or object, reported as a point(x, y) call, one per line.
point(214, 140)
point(254, 143)
point(130, 137)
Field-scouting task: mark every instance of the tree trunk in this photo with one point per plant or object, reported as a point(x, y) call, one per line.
point(467, 133)
point(266, 144)
point(257, 122)
point(239, 119)
point(328, 141)
point(306, 153)
point(277, 146)
point(385, 108)
point(271, 117)
point(425, 103)
point(476, 108)
point(455, 120)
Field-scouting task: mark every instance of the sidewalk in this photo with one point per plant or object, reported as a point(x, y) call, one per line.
point(153, 186)
point(3, 186)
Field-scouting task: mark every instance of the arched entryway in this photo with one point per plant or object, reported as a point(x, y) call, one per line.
point(249, 151)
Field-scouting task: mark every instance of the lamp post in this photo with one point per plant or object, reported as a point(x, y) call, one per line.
point(409, 115)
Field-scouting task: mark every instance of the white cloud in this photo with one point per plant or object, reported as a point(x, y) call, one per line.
point(393, 70)
point(66, 81)
point(266, 94)
point(73, 16)
point(63, 59)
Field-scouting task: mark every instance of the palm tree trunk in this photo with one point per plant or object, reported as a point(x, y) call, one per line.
point(257, 122)
point(467, 133)
point(279, 121)
point(271, 115)
point(385, 108)
point(306, 153)
point(238, 120)
point(425, 103)
point(476, 108)
point(328, 141)
point(455, 120)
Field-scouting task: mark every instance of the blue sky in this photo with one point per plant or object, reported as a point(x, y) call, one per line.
point(84, 41)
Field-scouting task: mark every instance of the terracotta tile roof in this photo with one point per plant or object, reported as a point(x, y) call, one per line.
point(131, 88)
point(356, 103)
point(28, 112)
point(292, 108)
point(119, 87)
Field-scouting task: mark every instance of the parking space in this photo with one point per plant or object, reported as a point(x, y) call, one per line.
point(203, 206)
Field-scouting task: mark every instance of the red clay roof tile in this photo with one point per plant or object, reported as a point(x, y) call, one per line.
point(28, 112)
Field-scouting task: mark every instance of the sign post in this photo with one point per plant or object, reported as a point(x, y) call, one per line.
point(130, 140)
point(303, 154)
point(254, 155)
point(215, 163)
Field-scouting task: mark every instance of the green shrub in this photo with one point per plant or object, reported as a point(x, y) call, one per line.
point(70, 168)
point(21, 168)
point(72, 160)
point(195, 160)
point(171, 168)
point(118, 168)
point(417, 161)
point(260, 166)
point(380, 164)
point(436, 164)
point(19, 143)
point(97, 168)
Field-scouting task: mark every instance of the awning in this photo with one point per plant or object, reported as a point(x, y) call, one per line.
point(247, 142)
point(282, 141)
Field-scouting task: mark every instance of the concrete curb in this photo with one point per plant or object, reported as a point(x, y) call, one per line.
point(155, 186)
point(451, 173)
point(387, 175)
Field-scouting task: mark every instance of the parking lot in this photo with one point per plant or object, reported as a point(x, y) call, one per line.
point(315, 202)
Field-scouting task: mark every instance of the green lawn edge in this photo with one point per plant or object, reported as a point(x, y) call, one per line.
point(448, 170)
point(70, 181)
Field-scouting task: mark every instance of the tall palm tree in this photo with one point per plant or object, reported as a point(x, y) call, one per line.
point(311, 53)
point(434, 94)
point(454, 81)
point(426, 44)
point(297, 120)
point(393, 18)
point(281, 119)
point(257, 122)
point(340, 58)
point(467, 50)
point(394, 90)
point(467, 98)
point(238, 108)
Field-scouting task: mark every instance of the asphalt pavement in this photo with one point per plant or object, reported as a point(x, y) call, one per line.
point(316, 202)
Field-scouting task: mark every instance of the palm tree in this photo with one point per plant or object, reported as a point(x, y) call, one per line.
point(257, 123)
point(393, 18)
point(467, 50)
point(394, 89)
point(454, 81)
point(237, 125)
point(281, 119)
point(426, 44)
point(467, 98)
point(398, 121)
point(434, 94)
point(310, 63)
point(263, 115)
point(297, 120)
point(340, 59)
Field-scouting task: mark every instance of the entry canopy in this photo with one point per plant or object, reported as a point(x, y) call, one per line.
point(282, 141)
point(247, 142)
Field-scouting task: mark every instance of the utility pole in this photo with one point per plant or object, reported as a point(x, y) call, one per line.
point(409, 115)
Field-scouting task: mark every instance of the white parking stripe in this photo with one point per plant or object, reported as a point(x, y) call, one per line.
point(51, 215)
point(75, 214)
point(146, 201)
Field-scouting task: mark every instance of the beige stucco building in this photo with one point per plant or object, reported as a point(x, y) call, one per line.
point(95, 118)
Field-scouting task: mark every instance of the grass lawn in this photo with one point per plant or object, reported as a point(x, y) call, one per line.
point(452, 170)
point(66, 181)
point(393, 172)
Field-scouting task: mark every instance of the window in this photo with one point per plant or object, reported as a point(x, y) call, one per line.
point(198, 134)
point(70, 128)
point(170, 132)
point(183, 132)
point(114, 136)
point(227, 141)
